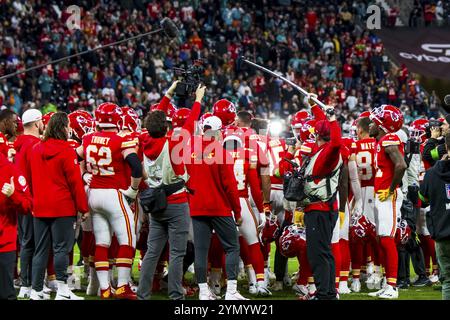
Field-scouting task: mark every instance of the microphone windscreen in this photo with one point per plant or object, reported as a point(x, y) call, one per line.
point(169, 28)
point(447, 100)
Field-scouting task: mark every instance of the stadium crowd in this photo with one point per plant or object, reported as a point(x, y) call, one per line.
point(320, 48)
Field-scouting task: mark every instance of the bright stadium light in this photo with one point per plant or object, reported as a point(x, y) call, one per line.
point(275, 128)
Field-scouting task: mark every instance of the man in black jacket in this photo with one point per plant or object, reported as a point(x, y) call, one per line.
point(435, 190)
point(435, 149)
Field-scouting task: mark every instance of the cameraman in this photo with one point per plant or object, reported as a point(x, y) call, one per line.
point(410, 211)
point(434, 191)
point(162, 167)
point(435, 149)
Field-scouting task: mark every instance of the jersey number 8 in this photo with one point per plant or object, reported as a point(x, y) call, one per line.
point(364, 161)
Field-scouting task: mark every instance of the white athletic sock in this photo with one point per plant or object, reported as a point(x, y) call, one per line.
point(251, 275)
point(103, 279)
point(123, 275)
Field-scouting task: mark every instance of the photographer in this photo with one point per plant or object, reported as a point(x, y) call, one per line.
point(410, 211)
point(434, 191)
point(173, 222)
point(434, 149)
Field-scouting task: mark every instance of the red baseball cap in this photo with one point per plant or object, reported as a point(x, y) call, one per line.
point(322, 128)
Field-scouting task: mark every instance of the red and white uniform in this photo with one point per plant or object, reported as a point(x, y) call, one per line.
point(104, 159)
point(386, 212)
point(246, 177)
point(277, 150)
point(365, 161)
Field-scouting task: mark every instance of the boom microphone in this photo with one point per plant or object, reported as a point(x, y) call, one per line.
point(167, 26)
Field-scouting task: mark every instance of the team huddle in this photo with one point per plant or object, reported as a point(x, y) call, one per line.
point(369, 181)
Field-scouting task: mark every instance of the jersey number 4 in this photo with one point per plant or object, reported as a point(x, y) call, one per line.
point(100, 166)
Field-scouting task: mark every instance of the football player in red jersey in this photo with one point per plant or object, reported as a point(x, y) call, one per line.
point(365, 161)
point(390, 164)
point(82, 123)
point(245, 171)
point(256, 143)
point(107, 154)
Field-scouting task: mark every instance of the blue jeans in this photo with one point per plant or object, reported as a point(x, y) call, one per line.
point(348, 83)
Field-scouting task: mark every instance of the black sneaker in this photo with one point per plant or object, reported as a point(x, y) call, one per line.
point(422, 282)
point(402, 285)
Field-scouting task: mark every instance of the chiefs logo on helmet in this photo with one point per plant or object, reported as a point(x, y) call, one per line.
point(387, 117)
point(271, 229)
point(80, 123)
point(130, 119)
point(169, 110)
point(292, 241)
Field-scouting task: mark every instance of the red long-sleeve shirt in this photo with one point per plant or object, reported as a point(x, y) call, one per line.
point(58, 189)
point(212, 180)
point(154, 146)
point(328, 159)
point(23, 145)
point(18, 203)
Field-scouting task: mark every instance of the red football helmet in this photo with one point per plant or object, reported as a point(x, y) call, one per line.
point(180, 117)
point(81, 122)
point(271, 229)
point(417, 130)
point(108, 115)
point(387, 117)
point(364, 114)
point(292, 241)
point(347, 141)
point(171, 109)
point(403, 232)
point(361, 228)
point(130, 119)
point(299, 119)
point(225, 110)
point(46, 118)
point(307, 130)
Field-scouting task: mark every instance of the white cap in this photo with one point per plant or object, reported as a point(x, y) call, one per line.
point(214, 122)
point(31, 115)
point(234, 138)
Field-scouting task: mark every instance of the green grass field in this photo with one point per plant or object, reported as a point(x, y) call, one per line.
point(424, 293)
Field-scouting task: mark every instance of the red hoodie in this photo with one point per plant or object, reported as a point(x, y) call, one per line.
point(153, 146)
point(57, 185)
point(18, 203)
point(214, 185)
point(23, 145)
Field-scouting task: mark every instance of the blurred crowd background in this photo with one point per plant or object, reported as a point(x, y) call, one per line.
point(319, 45)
